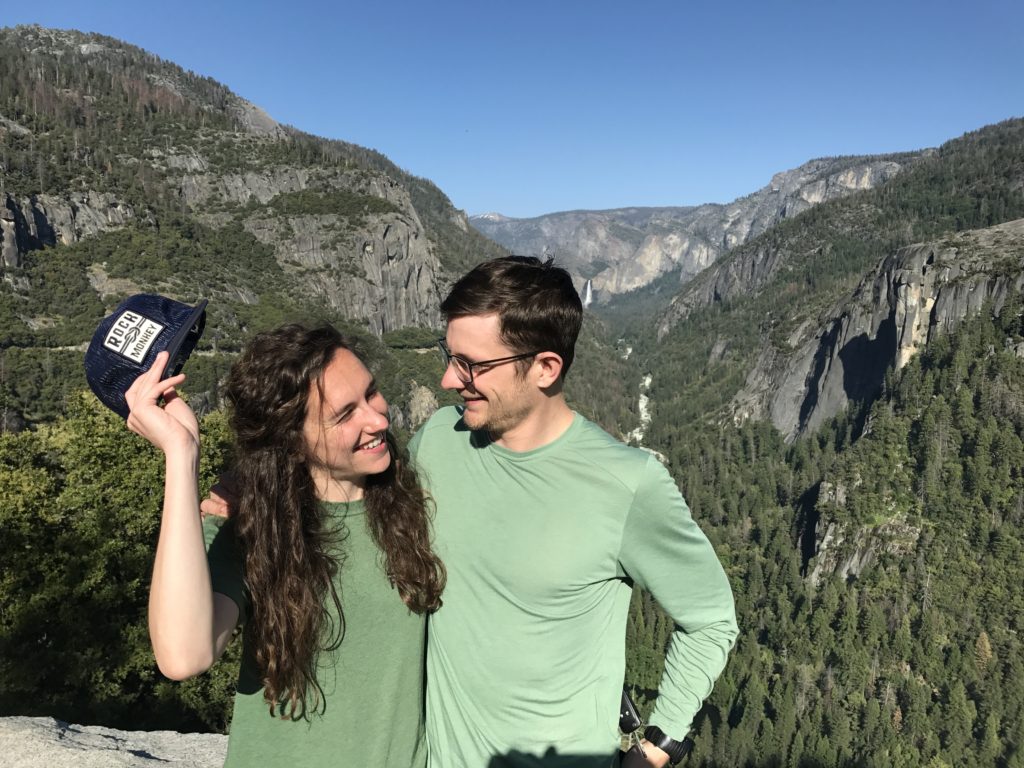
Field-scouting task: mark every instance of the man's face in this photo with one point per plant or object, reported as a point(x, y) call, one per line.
point(500, 397)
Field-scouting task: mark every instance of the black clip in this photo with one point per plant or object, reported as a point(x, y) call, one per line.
point(629, 718)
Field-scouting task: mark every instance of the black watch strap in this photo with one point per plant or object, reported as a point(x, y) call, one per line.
point(676, 750)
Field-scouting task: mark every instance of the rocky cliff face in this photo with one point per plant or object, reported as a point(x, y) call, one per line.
point(41, 221)
point(748, 269)
point(376, 268)
point(912, 295)
point(845, 550)
point(624, 249)
point(382, 272)
point(224, 161)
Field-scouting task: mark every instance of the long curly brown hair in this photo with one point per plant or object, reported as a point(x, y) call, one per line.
point(292, 552)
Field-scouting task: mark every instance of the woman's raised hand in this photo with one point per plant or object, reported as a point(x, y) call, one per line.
point(170, 427)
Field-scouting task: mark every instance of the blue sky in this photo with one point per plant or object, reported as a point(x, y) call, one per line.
point(532, 107)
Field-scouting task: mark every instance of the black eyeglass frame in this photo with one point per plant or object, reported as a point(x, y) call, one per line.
point(448, 357)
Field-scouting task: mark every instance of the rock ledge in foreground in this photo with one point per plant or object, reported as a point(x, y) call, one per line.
point(42, 742)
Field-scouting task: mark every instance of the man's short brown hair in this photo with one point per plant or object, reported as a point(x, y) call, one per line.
point(537, 305)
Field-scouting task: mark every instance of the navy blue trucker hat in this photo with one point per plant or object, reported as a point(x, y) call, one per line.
point(127, 342)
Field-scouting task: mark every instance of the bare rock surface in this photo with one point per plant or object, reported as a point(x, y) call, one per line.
point(42, 742)
point(912, 295)
point(422, 405)
point(40, 221)
point(624, 249)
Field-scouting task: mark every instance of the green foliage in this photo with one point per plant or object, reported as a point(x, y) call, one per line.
point(412, 338)
point(181, 258)
point(90, 116)
point(338, 202)
point(36, 383)
point(79, 505)
point(918, 660)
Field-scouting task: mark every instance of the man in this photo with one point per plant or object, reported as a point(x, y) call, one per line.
point(544, 523)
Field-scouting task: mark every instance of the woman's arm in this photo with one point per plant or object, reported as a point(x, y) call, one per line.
point(189, 624)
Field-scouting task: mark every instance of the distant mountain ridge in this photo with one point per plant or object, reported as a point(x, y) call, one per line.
point(623, 249)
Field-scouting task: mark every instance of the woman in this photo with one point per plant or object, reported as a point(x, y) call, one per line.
point(329, 526)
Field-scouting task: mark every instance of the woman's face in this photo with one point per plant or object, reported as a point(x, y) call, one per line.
point(344, 430)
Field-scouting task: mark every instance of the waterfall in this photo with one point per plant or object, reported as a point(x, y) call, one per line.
point(637, 435)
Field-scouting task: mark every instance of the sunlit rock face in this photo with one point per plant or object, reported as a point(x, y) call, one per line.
point(910, 297)
point(382, 271)
point(42, 742)
point(624, 249)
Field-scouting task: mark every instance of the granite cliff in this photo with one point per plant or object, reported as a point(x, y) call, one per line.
point(349, 231)
point(624, 249)
point(910, 297)
point(40, 221)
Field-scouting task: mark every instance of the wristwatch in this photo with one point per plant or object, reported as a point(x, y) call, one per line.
point(676, 750)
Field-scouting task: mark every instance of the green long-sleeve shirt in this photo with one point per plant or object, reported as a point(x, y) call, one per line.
point(525, 660)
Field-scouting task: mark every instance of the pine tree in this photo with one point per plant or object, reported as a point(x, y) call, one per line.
point(982, 652)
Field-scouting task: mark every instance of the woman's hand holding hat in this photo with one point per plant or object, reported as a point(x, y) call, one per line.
point(172, 427)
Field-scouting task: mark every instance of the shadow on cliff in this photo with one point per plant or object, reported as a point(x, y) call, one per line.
point(866, 360)
point(807, 525)
point(864, 364)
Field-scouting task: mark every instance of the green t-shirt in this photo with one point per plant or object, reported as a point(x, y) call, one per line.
point(525, 659)
point(373, 683)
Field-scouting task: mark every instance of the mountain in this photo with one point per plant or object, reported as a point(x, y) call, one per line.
point(99, 134)
point(625, 249)
point(761, 308)
point(910, 298)
point(124, 173)
point(840, 398)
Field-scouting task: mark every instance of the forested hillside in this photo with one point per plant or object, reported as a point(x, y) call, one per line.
point(122, 173)
point(877, 561)
point(917, 659)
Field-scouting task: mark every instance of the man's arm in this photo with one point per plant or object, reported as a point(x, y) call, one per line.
point(664, 551)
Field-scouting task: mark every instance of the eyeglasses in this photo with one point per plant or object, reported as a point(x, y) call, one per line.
point(464, 368)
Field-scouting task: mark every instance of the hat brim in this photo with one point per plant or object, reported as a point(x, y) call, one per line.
point(185, 340)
